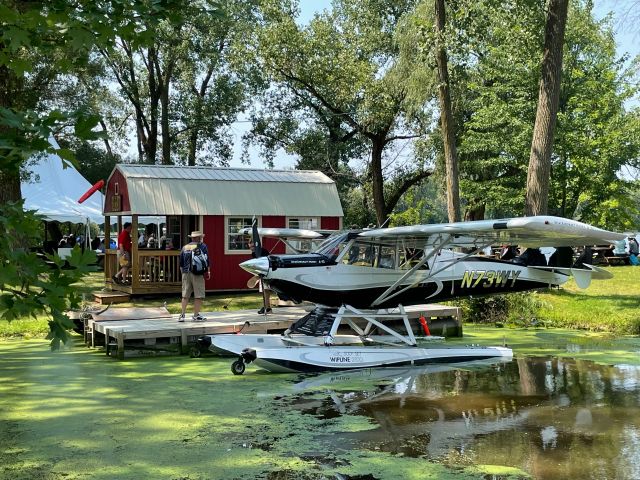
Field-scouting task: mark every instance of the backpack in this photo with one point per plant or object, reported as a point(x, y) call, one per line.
point(199, 261)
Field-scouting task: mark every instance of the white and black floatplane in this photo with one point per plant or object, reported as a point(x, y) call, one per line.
point(362, 278)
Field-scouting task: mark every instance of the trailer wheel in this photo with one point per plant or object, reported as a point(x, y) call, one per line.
point(195, 352)
point(237, 367)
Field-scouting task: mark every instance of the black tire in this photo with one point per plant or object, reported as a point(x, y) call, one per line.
point(237, 367)
point(195, 352)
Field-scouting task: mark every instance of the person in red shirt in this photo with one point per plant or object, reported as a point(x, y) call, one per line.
point(124, 249)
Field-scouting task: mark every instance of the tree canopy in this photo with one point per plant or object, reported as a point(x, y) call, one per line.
point(341, 79)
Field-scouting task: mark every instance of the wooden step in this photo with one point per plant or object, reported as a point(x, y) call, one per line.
point(106, 298)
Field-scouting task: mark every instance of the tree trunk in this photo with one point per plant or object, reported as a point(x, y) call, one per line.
point(195, 130)
point(10, 191)
point(166, 134)
point(537, 196)
point(200, 94)
point(377, 182)
point(446, 118)
point(193, 146)
point(475, 211)
point(151, 146)
point(10, 86)
point(164, 86)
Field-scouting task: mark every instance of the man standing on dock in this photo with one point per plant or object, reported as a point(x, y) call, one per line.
point(194, 265)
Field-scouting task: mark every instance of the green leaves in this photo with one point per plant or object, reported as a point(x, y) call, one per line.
point(15, 38)
point(29, 286)
point(26, 133)
point(84, 126)
point(40, 41)
point(496, 71)
point(340, 81)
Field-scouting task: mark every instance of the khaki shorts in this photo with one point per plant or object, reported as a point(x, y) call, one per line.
point(125, 260)
point(192, 283)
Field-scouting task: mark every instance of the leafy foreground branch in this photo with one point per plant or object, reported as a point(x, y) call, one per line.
point(31, 286)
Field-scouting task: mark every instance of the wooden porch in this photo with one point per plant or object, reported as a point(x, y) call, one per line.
point(152, 271)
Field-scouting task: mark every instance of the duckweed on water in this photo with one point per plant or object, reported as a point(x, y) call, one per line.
point(77, 414)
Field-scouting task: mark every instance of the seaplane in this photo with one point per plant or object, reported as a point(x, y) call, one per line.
point(364, 278)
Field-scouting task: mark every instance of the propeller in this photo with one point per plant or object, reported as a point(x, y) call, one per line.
point(256, 266)
point(257, 245)
point(255, 236)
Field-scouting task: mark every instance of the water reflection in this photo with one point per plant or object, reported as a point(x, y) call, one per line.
point(552, 418)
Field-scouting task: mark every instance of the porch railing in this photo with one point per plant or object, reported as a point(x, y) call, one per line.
point(150, 268)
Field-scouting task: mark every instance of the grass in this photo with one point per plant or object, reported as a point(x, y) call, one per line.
point(38, 327)
point(611, 305)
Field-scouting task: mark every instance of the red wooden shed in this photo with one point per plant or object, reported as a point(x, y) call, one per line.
point(218, 201)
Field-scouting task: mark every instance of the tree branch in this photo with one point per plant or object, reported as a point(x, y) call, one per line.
point(335, 110)
point(406, 184)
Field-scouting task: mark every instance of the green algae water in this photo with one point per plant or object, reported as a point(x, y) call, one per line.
point(78, 414)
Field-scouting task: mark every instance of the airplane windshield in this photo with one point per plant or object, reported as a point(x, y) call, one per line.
point(333, 245)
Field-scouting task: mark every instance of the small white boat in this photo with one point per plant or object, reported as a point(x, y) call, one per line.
point(333, 351)
point(318, 358)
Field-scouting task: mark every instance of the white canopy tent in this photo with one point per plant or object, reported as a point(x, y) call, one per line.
point(54, 191)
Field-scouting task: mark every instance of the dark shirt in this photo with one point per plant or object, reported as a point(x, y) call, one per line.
point(185, 255)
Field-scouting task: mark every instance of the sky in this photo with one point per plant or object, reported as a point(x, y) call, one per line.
point(626, 33)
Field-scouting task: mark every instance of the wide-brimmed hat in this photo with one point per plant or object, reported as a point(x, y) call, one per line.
point(196, 233)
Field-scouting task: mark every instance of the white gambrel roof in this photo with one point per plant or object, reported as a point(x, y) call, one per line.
point(179, 190)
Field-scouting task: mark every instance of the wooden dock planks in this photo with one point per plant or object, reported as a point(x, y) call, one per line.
point(142, 327)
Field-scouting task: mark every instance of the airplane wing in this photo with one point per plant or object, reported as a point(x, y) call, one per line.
point(534, 232)
point(288, 233)
point(296, 239)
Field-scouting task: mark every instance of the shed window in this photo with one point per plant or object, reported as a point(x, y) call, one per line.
point(305, 223)
point(236, 242)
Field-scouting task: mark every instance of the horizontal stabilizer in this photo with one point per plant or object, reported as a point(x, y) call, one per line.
point(598, 273)
point(583, 276)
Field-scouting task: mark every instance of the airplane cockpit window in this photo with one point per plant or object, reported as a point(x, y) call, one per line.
point(367, 254)
point(333, 245)
point(348, 249)
point(410, 257)
point(361, 254)
point(387, 257)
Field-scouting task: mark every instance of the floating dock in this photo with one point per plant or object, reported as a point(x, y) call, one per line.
point(154, 331)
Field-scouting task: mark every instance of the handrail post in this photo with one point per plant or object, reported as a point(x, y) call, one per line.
point(135, 261)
